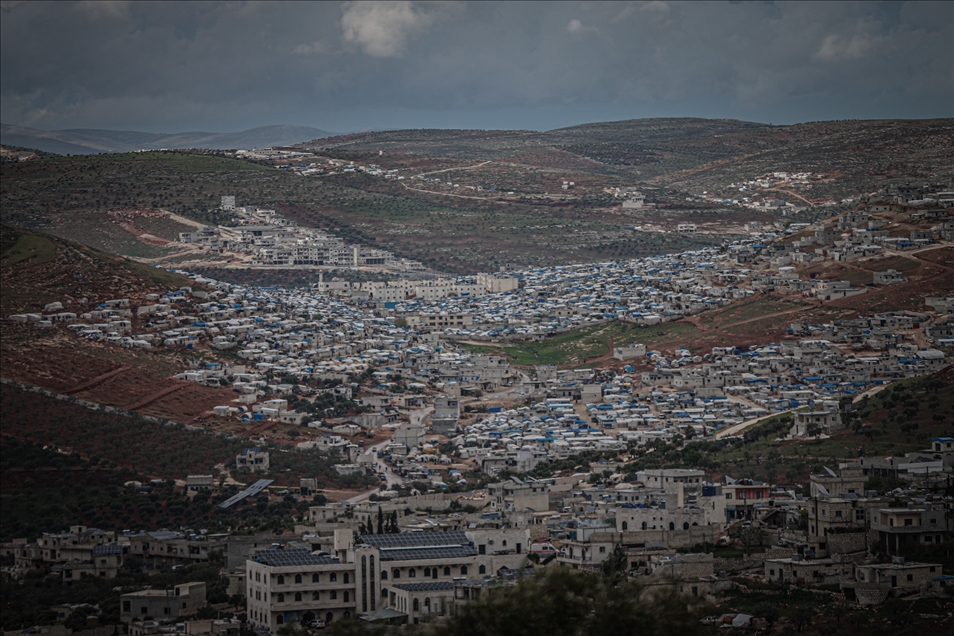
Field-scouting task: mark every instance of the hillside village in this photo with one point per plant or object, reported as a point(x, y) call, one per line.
point(464, 438)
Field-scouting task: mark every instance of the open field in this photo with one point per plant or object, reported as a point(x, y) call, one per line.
point(39, 269)
point(584, 346)
point(469, 201)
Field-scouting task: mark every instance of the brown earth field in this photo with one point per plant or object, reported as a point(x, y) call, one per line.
point(131, 380)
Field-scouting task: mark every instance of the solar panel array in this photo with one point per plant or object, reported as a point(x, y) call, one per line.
point(426, 553)
point(109, 548)
point(254, 489)
point(288, 558)
point(435, 586)
point(415, 539)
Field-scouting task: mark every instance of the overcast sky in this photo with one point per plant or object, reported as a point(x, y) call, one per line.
point(171, 67)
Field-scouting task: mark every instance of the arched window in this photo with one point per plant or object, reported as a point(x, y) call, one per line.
point(298, 578)
point(328, 618)
point(685, 525)
point(427, 603)
point(434, 573)
point(446, 571)
point(672, 526)
point(315, 596)
point(412, 572)
point(314, 578)
point(417, 605)
point(463, 569)
point(347, 614)
point(483, 569)
point(625, 526)
point(280, 619)
point(505, 543)
point(427, 572)
point(281, 579)
point(347, 596)
point(345, 577)
point(298, 597)
point(334, 595)
point(397, 573)
point(334, 576)
point(384, 575)
point(281, 597)
point(644, 525)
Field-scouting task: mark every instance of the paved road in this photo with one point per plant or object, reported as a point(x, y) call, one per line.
point(380, 466)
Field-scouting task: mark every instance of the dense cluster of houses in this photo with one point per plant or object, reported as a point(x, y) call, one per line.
point(272, 240)
point(436, 558)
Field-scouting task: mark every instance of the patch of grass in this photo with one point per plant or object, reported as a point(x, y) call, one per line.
point(574, 347)
point(30, 246)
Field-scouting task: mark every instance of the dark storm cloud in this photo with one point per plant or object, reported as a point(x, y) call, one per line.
point(169, 66)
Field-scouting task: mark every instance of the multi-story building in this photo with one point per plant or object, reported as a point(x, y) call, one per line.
point(254, 459)
point(384, 560)
point(898, 528)
point(182, 600)
point(518, 496)
point(295, 586)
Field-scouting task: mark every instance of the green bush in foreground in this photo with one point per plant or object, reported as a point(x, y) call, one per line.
point(563, 602)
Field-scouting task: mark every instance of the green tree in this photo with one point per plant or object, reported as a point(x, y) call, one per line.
point(563, 602)
point(616, 564)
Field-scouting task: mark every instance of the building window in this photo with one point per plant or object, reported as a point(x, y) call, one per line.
point(298, 578)
point(602, 549)
point(315, 596)
point(334, 595)
point(397, 573)
point(482, 569)
point(427, 572)
point(346, 577)
point(280, 619)
point(417, 605)
point(481, 549)
point(347, 596)
point(314, 578)
point(142, 610)
point(412, 572)
point(298, 597)
point(127, 608)
point(446, 571)
point(625, 526)
point(281, 597)
point(334, 576)
point(384, 575)
point(463, 570)
point(281, 579)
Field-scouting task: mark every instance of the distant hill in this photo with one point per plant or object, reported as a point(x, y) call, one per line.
point(91, 141)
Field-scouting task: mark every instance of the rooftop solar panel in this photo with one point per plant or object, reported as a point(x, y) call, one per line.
point(287, 558)
point(427, 553)
point(109, 548)
point(414, 539)
point(430, 586)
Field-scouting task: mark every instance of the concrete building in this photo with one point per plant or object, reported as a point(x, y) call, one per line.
point(518, 496)
point(253, 459)
point(293, 585)
point(182, 600)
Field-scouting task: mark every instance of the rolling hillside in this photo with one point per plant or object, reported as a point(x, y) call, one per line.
point(92, 141)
